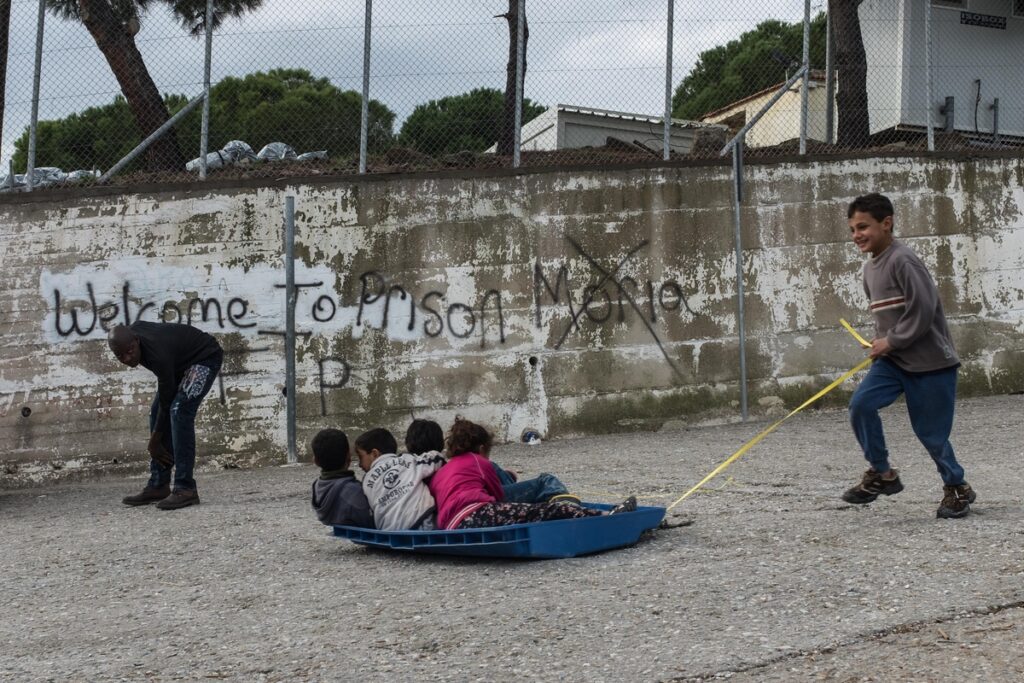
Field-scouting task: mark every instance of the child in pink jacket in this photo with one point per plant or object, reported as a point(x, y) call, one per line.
point(469, 495)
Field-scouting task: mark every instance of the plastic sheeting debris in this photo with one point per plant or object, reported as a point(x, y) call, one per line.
point(234, 152)
point(45, 176)
point(238, 152)
point(277, 151)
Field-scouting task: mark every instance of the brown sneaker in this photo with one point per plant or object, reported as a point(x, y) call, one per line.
point(566, 498)
point(871, 486)
point(148, 495)
point(956, 501)
point(181, 498)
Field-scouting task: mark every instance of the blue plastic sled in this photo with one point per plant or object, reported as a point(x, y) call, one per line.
point(558, 538)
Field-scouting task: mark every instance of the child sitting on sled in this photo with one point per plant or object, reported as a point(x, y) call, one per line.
point(469, 495)
point(395, 483)
point(426, 435)
point(337, 496)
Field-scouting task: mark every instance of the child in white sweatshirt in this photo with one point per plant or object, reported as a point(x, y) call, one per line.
point(395, 483)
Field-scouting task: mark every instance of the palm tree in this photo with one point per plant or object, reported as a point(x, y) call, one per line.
point(113, 24)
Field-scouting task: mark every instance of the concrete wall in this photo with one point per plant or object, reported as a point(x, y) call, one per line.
point(570, 302)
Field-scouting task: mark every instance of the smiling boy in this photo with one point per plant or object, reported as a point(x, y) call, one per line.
point(914, 356)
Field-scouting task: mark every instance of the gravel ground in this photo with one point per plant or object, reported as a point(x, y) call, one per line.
point(776, 578)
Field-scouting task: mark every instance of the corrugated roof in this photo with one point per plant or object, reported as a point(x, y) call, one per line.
point(628, 116)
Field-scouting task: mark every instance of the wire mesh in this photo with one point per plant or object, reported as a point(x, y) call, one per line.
point(287, 83)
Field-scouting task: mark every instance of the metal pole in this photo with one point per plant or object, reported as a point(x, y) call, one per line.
point(364, 117)
point(204, 137)
point(830, 81)
point(33, 128)
point(155, 135)
point(805, 92)
point(995, 121)
point(737, 197)
point(668, 80)
point(928, 74)
point(289, 322)
point(520, 54)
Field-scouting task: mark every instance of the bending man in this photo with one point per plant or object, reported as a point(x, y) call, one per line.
point(185, 361)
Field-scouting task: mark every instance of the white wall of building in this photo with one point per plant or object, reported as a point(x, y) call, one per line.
point(894, 39)
point(782, 121)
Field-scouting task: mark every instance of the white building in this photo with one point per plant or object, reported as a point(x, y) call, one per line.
point(977, 55)
point(565, 126)
point(782, 121)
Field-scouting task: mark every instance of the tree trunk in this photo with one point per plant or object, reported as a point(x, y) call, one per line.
point(852, 67)
point(506, 138)
point(141, 93)
point(5, 28)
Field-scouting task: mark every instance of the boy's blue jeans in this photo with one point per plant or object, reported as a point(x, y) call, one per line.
point(930, 397)
point(536, 490)
point(181, 440)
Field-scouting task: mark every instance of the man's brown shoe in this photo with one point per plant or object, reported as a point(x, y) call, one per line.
point(956, 501)
point(179, 499)
point(148, 495)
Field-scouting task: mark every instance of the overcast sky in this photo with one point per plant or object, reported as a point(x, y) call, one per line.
point(608, 54)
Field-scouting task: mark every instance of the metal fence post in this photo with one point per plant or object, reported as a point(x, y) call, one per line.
point(364, 117)
point(289, 322)
point(737, 199)
point(830, 81)
point(204, 137)
point(928, 74)
point(668, 81)
point(805, 91)
point(995, 120)
point(153, 137)
point(520, 54)
point(33, 129)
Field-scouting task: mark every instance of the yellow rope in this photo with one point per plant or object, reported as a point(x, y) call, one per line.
point(753, 442)
point(856, 335)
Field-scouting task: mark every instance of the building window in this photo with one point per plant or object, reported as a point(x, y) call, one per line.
point(958, 4)
point(1018, 8)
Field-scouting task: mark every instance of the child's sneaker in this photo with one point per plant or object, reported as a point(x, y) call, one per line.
point(871, 487)
point(628, 505)
point(956, 501)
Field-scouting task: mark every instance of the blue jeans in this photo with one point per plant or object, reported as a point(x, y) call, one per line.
point(931, 398)
point(536, 490)
point(180, 441)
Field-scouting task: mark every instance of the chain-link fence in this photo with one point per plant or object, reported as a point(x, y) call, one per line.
point(354, 86)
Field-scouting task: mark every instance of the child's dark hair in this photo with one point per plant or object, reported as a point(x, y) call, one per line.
point(378, 438)
point(468, 437)
point(423, 436)
point(330, 449)
point(878, 205)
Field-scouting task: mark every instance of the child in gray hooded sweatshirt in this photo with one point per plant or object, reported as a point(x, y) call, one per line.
point(338, 496)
